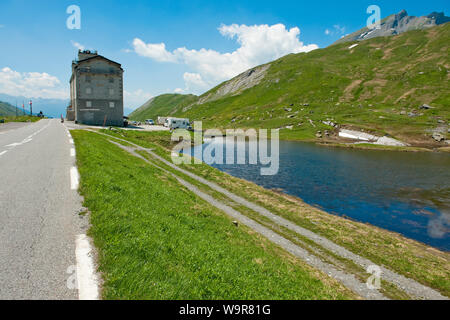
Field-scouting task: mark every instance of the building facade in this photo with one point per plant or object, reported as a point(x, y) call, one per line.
point(96, 90)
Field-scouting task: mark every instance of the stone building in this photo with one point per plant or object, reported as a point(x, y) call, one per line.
point(96, 90)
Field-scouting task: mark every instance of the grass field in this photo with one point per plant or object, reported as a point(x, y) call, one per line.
point(405, 256)
point(156, 240)
point(20, 119)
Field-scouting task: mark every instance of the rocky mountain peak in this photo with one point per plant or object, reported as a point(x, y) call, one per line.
point(396, 24)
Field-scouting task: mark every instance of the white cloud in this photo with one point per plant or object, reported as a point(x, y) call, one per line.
point(259, 44)
point(31, 84)
point(194, 82)
point(327, 32)
point(134, 99)
point(178, 90)
point(155, 51)
point(78, 45)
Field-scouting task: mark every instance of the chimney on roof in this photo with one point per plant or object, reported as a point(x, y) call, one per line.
point(85, 54)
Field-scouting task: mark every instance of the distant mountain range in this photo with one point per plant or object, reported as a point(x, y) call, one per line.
point(50, 107)
point(396, 24)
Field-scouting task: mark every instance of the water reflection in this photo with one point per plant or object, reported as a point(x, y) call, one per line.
point(404, 192)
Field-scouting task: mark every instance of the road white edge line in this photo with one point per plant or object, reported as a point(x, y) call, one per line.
point(2, 153)
point(86, 275)
point(74, 178)
point(71, 141)
point(72, 152)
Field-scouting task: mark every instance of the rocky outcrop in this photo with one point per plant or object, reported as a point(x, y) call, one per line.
point(235, 86)
point(438, 136)
point(396, 24)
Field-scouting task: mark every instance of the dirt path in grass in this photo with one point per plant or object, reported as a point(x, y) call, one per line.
point(409, 286)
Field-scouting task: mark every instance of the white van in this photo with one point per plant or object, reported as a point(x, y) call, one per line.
point(177, 123)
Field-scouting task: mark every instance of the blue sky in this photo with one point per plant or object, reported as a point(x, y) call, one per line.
point(37, 47)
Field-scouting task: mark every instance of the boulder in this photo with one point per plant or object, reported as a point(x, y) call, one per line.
point(438, 136)
point(329, 123)
point(425, 107)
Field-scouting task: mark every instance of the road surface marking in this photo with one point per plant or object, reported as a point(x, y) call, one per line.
point(74, 178)
point(71, 141)
point(72, 152)
point(29, 138)
point(86, 276)
point(2, 153)
point(13, 144)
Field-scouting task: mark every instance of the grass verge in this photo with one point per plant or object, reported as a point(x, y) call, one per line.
point(156, 240)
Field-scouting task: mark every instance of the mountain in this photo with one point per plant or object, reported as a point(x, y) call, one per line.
point(163, 105)
point(50, 107)
point(379, 85)
point(396, 24)
point(7, 110)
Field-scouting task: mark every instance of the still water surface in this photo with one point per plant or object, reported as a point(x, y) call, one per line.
point(408, 193)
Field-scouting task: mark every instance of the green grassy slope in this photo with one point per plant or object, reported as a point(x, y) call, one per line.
point(162, 105)
point(373, 86)
point(7, 110)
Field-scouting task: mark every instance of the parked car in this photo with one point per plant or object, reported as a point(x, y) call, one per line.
point(150, 122)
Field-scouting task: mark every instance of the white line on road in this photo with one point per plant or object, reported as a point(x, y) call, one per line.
point(29, 138)
point(72, 152)
point(71, 141)
point(2, 153)
point(86, 276)
point(74, 178)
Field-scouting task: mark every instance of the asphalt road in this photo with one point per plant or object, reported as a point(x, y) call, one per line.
point(39, 218)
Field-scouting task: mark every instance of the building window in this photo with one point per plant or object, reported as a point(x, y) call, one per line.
point(111, 91)
point(88, 90)
point(111, 104)
point(88, 104)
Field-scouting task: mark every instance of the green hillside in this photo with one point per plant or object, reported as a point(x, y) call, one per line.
point(7, 110)
point(163, 105)
point(379, 86)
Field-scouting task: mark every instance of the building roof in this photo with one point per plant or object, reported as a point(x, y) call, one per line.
point(98, 57)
